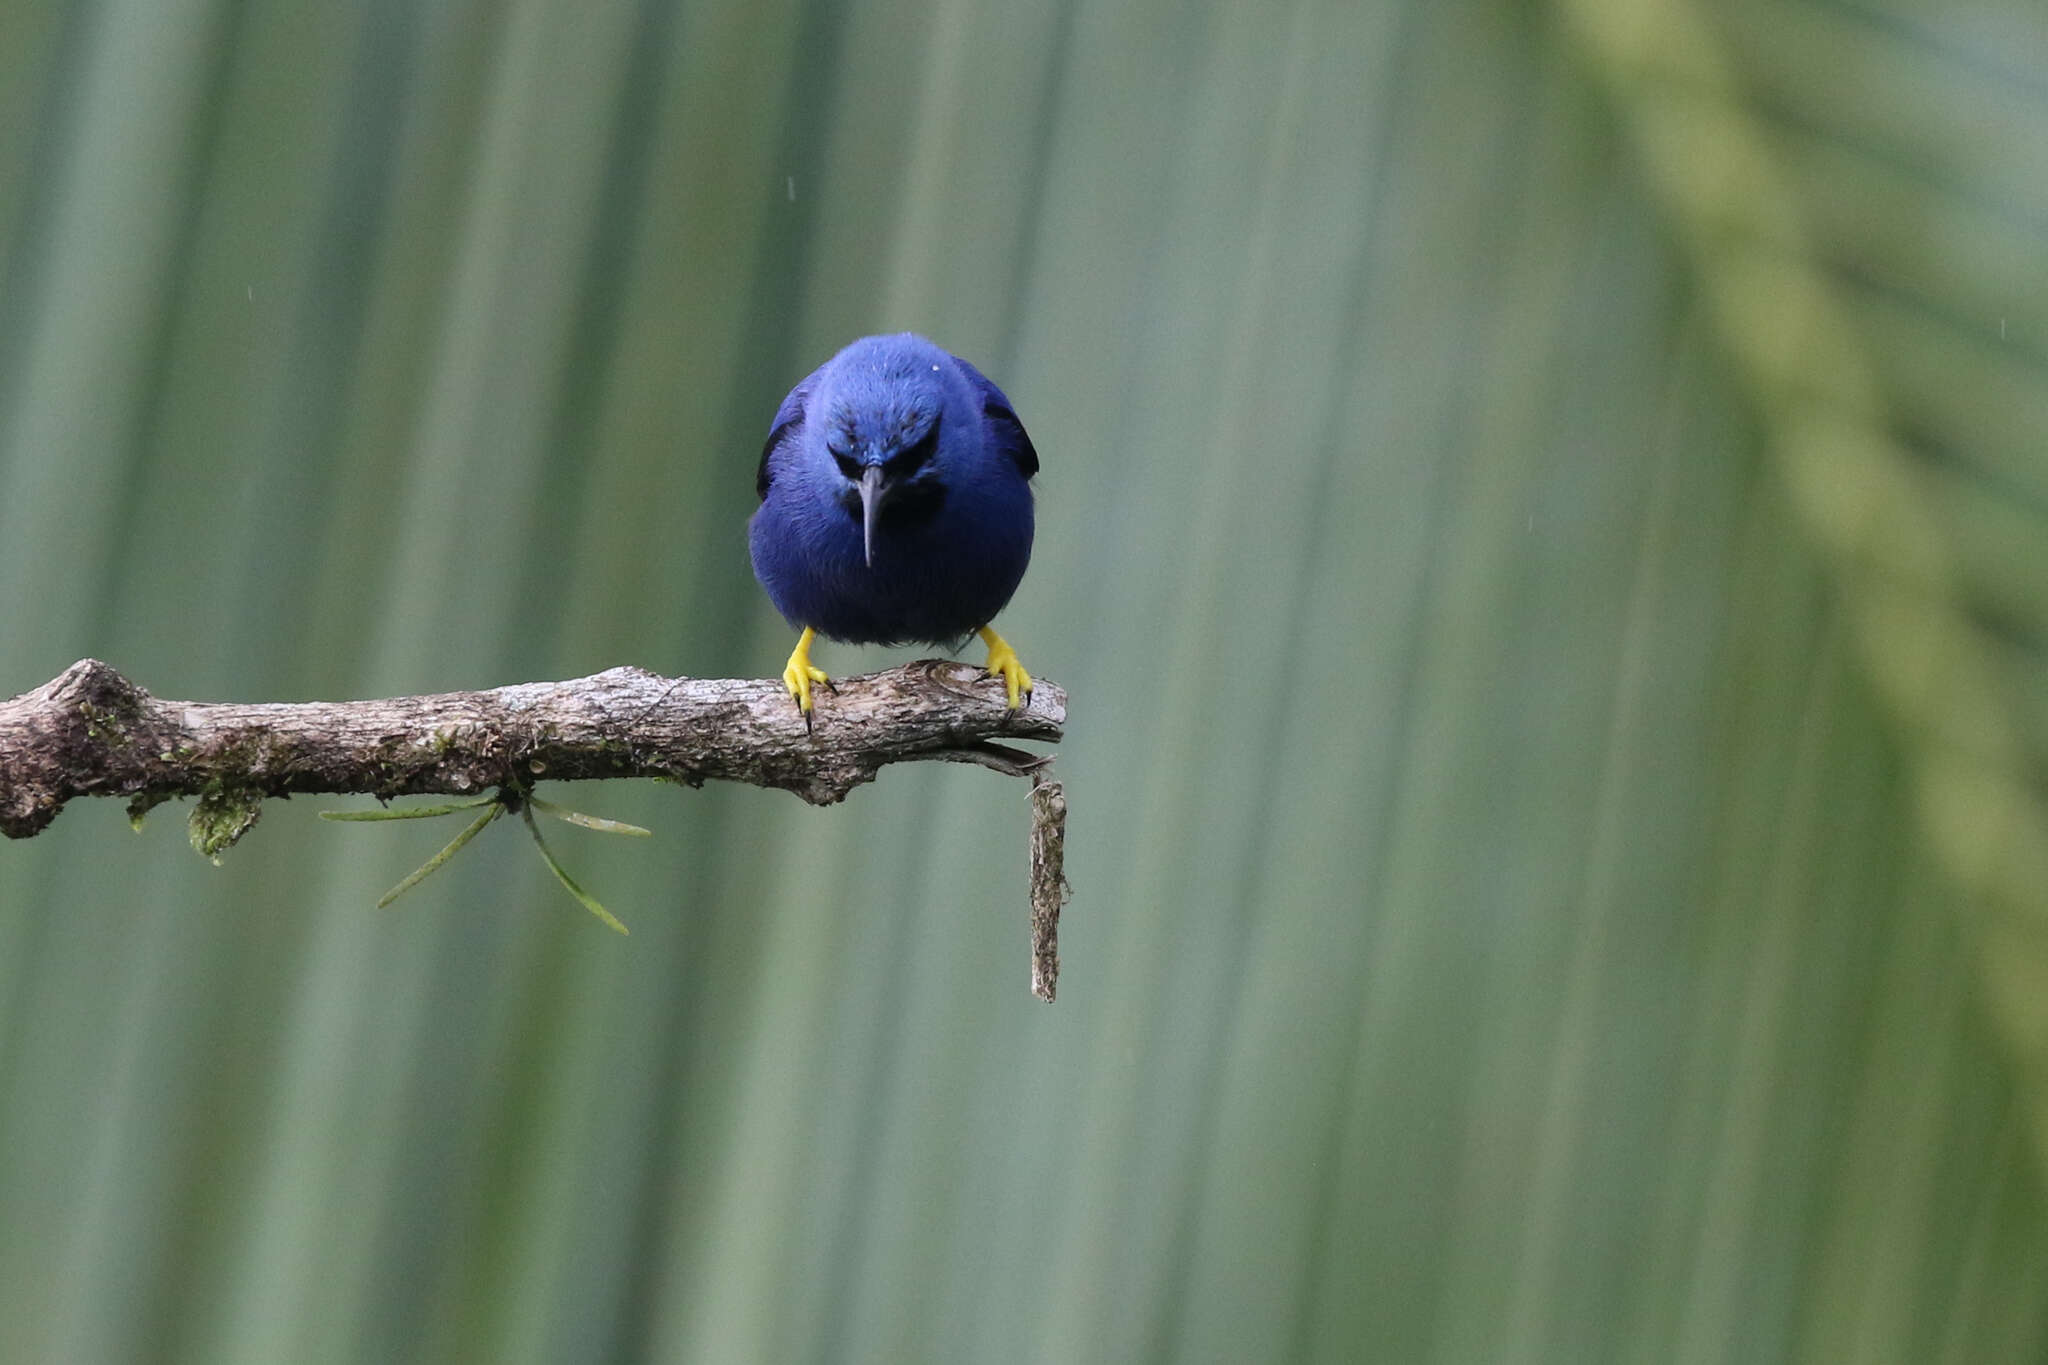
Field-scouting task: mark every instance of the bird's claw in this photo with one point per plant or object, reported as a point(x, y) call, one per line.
point(1003, 663)
point(799, 680)
point(799, 673)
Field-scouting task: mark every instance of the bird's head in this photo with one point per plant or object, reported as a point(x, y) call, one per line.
point(882, 431)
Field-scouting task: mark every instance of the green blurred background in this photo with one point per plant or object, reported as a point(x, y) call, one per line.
point(1544, 527)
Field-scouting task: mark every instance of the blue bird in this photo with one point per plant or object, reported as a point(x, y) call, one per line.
point(895, 507)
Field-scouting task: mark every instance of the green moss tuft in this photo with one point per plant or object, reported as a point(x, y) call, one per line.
point(221, 817)
point(141, 804)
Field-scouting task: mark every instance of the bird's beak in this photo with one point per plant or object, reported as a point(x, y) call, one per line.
point(870, 506)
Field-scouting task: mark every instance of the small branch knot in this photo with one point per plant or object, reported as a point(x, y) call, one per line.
point(92, 687)
point(64, 739)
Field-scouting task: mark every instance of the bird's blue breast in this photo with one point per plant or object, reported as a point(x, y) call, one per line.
point(951, 543)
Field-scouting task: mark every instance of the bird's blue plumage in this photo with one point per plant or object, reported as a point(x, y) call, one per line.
point(933, 547)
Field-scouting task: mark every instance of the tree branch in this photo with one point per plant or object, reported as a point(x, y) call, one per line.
point(91, 732)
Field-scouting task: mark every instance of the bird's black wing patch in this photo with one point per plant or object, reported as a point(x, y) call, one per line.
point(1003, 427)
point(788, 418)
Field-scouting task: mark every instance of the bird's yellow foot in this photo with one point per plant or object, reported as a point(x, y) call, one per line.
point(1002, 662)
point(799, 673)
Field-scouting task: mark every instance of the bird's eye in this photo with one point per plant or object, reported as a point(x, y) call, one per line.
point(916, 455)
point(848, 466)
